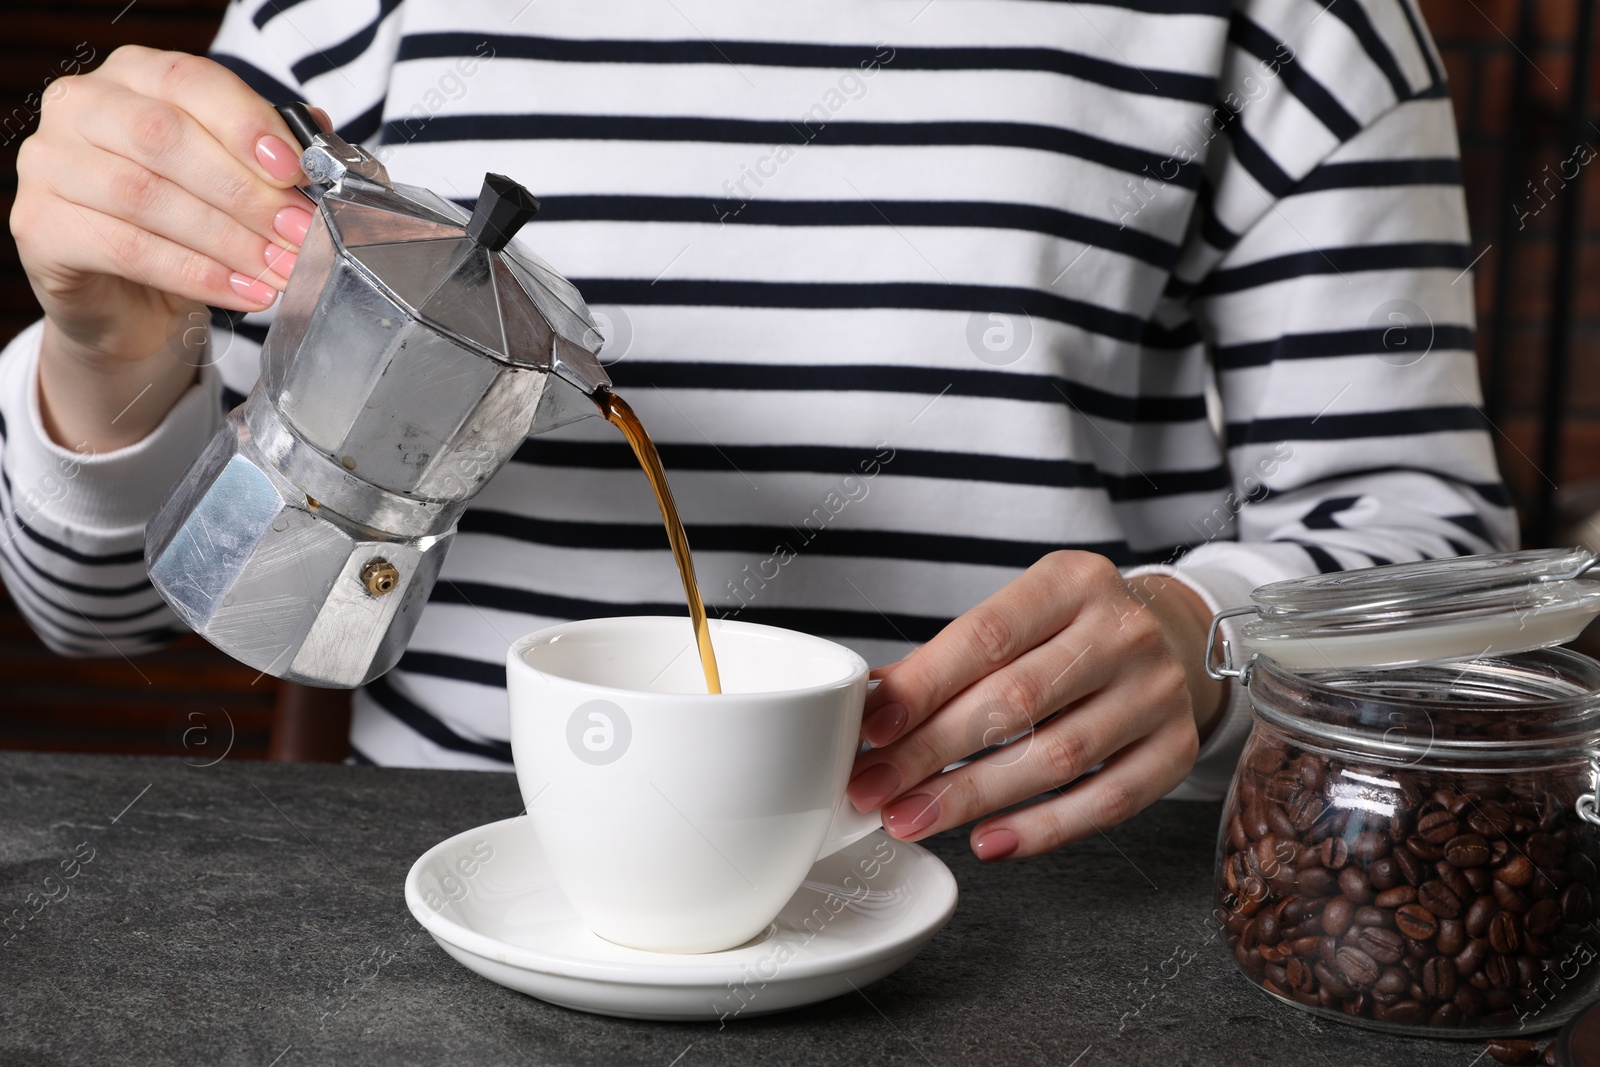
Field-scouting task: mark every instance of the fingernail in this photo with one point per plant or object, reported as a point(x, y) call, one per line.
point(281, 260)
point(277, 158)
point(995, 845)
point(883, 724)
point(292, 224)
point(911, 814)
point(252, 290)
point(873, 786)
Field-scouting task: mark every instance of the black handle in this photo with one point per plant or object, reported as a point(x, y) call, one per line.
point(301, 122)
point(503, 207)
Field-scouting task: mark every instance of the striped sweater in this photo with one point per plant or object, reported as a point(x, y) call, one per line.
point(910, 292)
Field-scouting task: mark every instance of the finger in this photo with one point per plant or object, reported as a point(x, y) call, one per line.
point(93, 242)
point(169, 142)
point(1055, 754)
point(1018, 617)
point(995, 708)
point(1131, 781)
point(114, 185)
point(231, 112)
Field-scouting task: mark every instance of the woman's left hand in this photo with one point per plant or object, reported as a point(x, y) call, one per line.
point(1121, 660)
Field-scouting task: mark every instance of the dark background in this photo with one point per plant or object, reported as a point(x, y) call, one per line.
point(147, 705)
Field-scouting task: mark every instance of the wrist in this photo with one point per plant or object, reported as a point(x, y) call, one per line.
point(1186, 619)
point(90, 399)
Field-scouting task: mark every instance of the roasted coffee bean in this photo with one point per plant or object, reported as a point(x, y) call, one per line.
point(1582, 868)
point(1353, 884)
point(1438, 827)
point(1335, 853)
point(1527, 973)
point(1281, 787)
point(1403, 1013)
point(1544, 918)
point(1422, 848)
point(1501, 972)
point(1515, 871)
point(1304, 946)
point(1467, 850)
point(1469, 959)
point(1311, 927)
point(1277, 974)
point(1236, 836)
point(1304, 809)
point(1308, 769)
point(1438, 898)
point(1545, 850)
point(1267, 931)
point(1411, 869)
point(1298, 975)
point(1392, 982)
point(1337, 916)
point(1439, 978)
point(1383, 873)
point(1576, 903)
point(1359, 968)
point(1265, 760)
point(1385, 946)
point(1414, 920)
point(1369, 846)
point(1511, 899)
point(1513, 1050)
point(1452, 936)
point(1479, 878)
point(1333, 980)
point(1254, 822)
point(1393, 898)
point(1316, 882)
point(1469, 1002)
point(1479, 912)
point(1452, 877)
point(1367, 915)
point(1445, 1015)
point(1489, 819)
point(1298, 909)
point(1549, 1057)
point(1505, 933)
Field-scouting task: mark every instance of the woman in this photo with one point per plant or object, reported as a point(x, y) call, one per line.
point(922, 300)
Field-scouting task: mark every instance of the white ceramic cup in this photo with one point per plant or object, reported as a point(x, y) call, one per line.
point(674, 820)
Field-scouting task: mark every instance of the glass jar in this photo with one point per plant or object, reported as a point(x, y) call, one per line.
point(1414, 849)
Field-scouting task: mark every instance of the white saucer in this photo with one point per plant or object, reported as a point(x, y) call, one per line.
point(488, 898)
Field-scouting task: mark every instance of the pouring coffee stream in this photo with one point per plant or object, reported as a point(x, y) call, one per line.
point(621, 415)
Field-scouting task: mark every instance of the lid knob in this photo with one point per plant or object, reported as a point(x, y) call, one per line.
point(301, 122)
point(503, 207)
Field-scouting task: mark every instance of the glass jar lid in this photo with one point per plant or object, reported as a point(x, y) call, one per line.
point(1410, 613)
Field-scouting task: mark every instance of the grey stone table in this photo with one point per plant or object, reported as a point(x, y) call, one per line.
point(251, 913)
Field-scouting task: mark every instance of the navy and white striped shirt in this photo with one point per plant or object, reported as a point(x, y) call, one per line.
point(910, 292)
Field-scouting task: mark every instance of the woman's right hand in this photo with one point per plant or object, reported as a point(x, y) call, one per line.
point(155, 185)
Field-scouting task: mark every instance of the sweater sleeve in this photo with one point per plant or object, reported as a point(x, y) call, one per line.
point(1329, 270)
point(72, 521)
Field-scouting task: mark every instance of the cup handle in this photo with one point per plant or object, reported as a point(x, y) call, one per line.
point(849, 826)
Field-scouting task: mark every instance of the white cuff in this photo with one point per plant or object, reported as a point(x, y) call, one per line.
point(1224, 574)
point(86, 493)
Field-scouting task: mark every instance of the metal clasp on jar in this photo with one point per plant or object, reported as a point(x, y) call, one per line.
point(1585, 805)
point(1226, 669)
